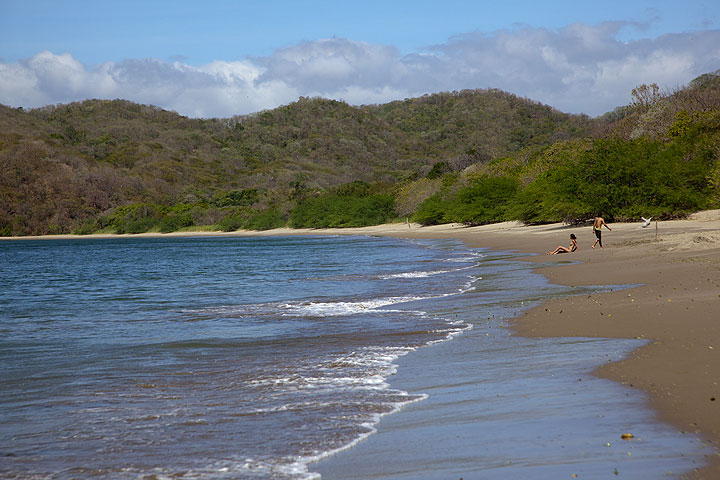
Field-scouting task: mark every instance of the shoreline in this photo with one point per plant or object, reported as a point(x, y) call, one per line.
point(676, 265)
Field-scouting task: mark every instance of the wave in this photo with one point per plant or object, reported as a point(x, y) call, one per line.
point(343, 308)
point(304, 308)
point(418, 274)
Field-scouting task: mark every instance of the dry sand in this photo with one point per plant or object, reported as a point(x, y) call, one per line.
point(676, 307)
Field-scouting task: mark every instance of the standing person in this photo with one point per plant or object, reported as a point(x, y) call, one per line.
point(597, 228)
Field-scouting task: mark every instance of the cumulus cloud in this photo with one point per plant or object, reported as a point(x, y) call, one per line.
point(331, 64)
point(578, 69)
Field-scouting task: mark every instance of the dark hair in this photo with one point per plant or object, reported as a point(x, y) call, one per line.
point(572, 235)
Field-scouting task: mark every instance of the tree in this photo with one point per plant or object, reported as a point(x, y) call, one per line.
point(645, 96)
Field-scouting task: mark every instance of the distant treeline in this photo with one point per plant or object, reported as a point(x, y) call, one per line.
point(473, 157)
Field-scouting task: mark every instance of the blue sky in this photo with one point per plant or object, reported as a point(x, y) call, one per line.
point(220, 58)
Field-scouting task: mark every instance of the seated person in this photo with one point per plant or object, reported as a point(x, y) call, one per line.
point(563, 249)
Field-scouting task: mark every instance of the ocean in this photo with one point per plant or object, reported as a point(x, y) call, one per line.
point(264, 357)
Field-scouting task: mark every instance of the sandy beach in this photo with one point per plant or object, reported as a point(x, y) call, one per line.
point(677, 267)
point(675, 305)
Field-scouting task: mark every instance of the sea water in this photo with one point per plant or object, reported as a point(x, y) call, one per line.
point(237, 357)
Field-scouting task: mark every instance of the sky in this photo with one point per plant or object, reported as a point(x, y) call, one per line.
point(219, 58)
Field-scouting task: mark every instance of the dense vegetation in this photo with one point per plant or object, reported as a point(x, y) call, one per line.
point(472, 156)
point(660, 158)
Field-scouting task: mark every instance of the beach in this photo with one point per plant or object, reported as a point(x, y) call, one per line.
point(676, 265)
point(674, 268)
point(676, 306)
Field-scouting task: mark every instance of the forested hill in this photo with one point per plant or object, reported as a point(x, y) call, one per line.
point(483, 124)
point(67, 163)
point(470, 156)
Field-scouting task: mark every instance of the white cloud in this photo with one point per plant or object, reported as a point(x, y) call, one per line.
point(19, 86)
point(331, 64)
point(577, 69)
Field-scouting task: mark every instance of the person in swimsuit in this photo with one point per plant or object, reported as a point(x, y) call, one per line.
point(597, 228)
point(563, 249)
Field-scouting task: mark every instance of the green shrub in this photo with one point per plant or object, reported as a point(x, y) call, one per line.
point(343, 210)
point(172, 223)
point(238, 198)
point(438, 170)
point(232, 222)
point(621, 179)
point(266, 220)
point(87, 227)
point(486, 200)
point(433, 210)
point(134, 218)
point(141, 225)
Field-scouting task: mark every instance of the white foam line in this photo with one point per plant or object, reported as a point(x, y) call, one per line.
point(305, 461)
point(332, 309)
point(417, 274)
point(378, 356)
point(326, 309)
point(371, 426)
point(425, 273)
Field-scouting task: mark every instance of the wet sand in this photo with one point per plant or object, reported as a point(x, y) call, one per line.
point(676, 308)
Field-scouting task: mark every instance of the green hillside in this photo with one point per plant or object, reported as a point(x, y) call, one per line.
point(471, 156)
point(656, 157)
